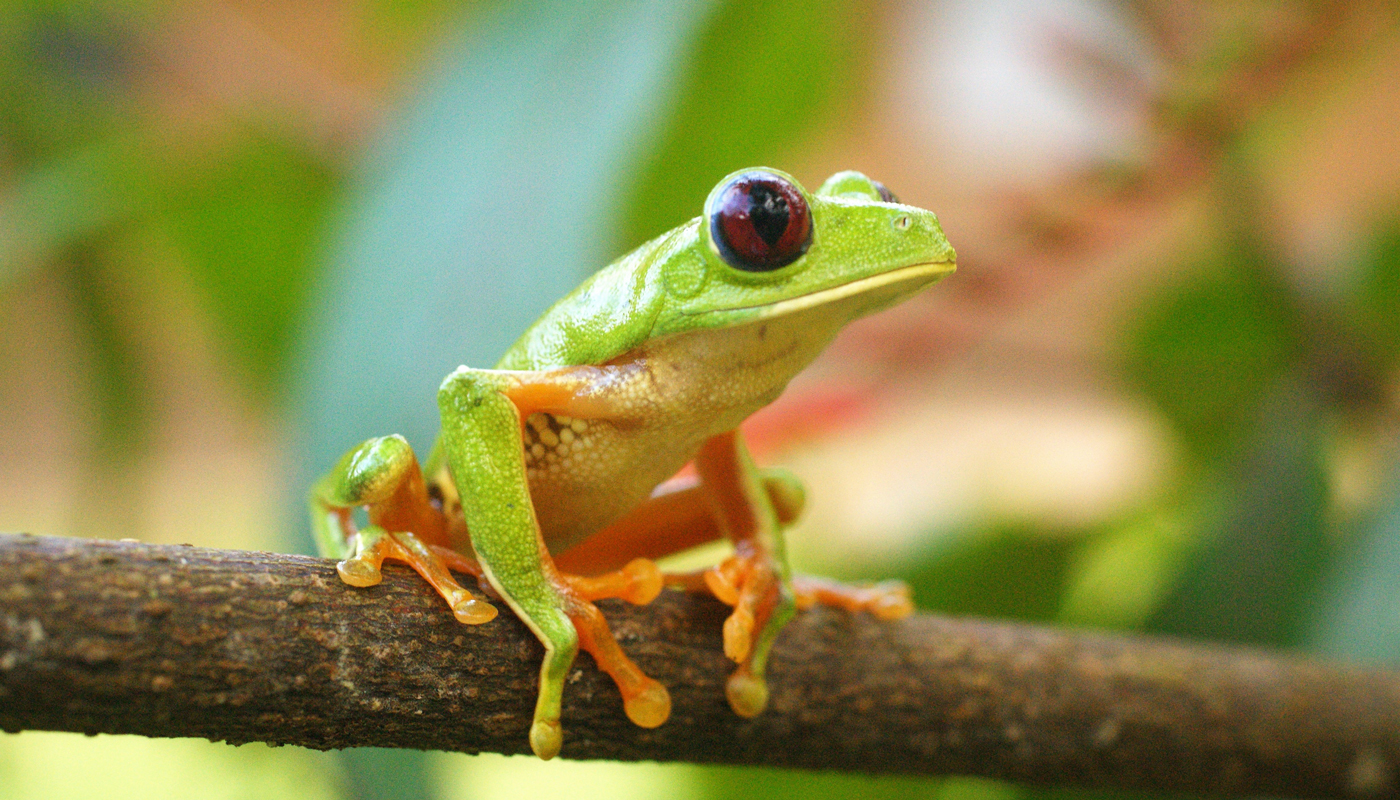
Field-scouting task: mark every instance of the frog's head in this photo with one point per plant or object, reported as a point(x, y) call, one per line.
point(766, 248)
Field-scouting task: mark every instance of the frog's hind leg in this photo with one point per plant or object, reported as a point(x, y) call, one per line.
point(383, 476)
point(482, 415)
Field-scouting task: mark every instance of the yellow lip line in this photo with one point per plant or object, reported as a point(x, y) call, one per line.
point(819, 297)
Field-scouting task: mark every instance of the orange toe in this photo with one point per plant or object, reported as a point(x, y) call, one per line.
point(638, 583)
point(747, 693)
point(646, 702)
point(649, 706)
point(887, 600)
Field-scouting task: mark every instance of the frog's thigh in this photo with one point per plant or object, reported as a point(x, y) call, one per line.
point(674, 520)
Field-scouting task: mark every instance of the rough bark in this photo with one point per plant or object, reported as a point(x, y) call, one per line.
point(121, 637)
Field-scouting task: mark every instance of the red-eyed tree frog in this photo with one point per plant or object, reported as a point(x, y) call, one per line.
point(542, 483)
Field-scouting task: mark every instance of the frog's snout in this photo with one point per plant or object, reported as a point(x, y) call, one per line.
point(919, 229)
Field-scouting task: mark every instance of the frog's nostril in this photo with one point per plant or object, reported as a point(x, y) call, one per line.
point(901, 222)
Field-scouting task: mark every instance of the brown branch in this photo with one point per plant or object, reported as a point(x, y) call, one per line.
point(122, 637)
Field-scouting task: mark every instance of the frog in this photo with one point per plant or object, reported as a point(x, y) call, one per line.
point(553, 480)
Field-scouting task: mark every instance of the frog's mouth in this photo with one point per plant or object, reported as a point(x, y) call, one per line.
point(848, 300)
point(784, 336)
point(866, 295)
point(837, 305)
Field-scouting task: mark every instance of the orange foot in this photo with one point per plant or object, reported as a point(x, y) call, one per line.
point(646, 701)
point(885, 600)
point(749, 581)
point(374, 545)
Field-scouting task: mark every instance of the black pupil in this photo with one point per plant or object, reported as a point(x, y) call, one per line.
point(759, 222)
point(768, 210)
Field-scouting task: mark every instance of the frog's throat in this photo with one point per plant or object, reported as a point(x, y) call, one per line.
point(890, 287)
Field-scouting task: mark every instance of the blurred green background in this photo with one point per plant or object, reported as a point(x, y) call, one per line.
point(1160, 394)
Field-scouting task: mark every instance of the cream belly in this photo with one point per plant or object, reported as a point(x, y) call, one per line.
point(676, 392)
point(585, 474)
point(691, 386)
point(581, 486)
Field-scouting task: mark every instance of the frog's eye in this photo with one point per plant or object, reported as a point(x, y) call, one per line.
point(886, 195)
point(759, 222)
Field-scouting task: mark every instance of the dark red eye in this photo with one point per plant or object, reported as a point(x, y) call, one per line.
point(760, 222)
point(885, 194)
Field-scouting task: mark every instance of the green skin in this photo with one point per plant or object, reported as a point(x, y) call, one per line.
point(683, 347)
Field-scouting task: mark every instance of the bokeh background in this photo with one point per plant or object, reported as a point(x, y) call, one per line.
point(1160, 394)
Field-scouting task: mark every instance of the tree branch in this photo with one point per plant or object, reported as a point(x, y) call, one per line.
point(121, 637)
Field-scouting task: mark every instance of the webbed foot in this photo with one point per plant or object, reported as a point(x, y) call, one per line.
point(886, 600)
point(374, 544)
point(645, 701)
point(751, 582)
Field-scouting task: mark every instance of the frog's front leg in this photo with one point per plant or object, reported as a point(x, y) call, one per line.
point(482, 415)
point(756, 580)
point(383, 476)
point(752, 508)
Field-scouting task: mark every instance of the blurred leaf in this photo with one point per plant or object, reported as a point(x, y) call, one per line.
point(1377, 297)
point(763, 75)
point(1358, 616)
point(1267, 540)
point(55, 206)
point(121, 394)
point(250, 216)
point(722, 783)
point(1206, 351)
point(246, 213)
point(1121, 576)
point(1013, 572)
point(65, 121)
point(64, 73)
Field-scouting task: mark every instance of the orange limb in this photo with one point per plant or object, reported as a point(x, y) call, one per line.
point(646, 702)
point(664, 524)
point(886, 600)
point(752, 579)
point(374, 545)
point(676, 518)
